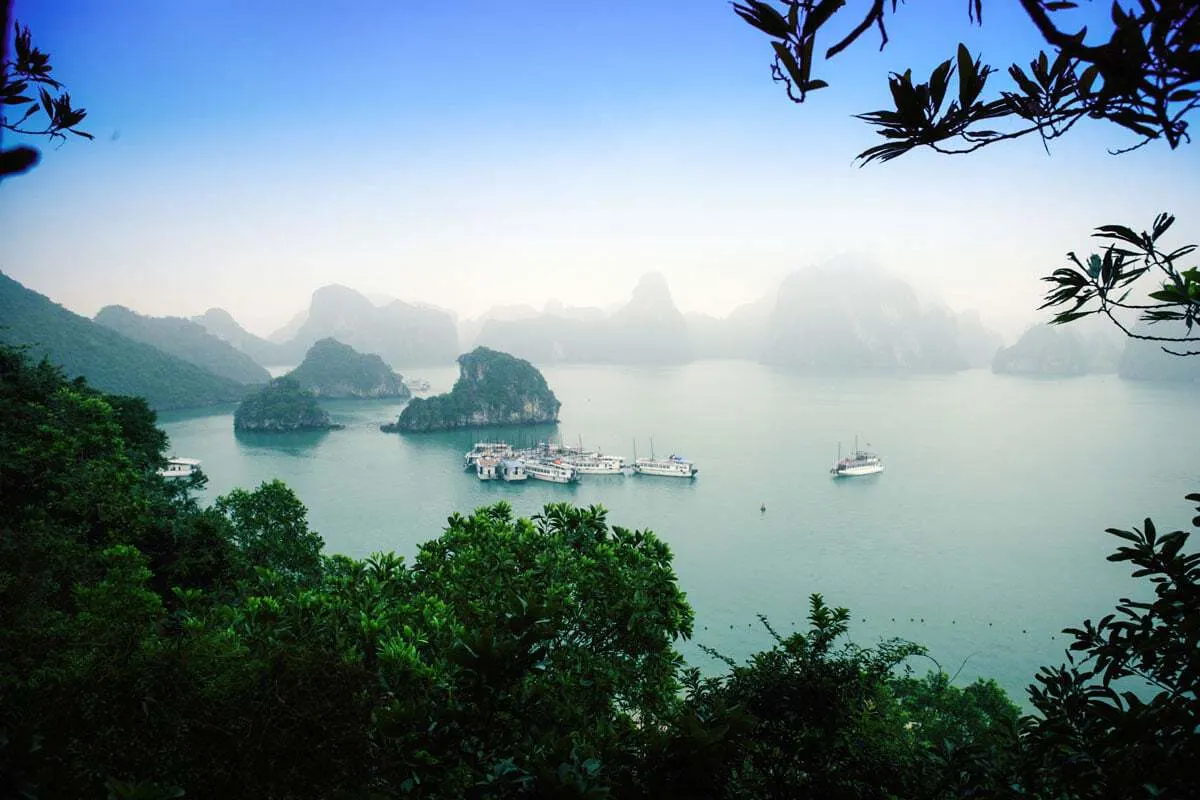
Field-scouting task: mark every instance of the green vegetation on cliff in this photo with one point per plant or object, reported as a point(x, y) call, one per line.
point(279, 407)
point(110, 361)
point(333, 369)
point(187, 340)
point(493, 388)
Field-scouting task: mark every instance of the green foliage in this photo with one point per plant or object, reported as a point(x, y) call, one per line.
point(281, 406)
point(186, 340)
point(1121, 719)
point(1144, 79)
point(109, 361)
point(493, 388)
point(270, 527)
point(333, 369)
point(1103, 284)
point(812, 717)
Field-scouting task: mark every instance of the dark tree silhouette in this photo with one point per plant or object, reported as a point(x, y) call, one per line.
point(25, 73)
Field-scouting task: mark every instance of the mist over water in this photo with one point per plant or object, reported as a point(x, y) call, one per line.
point(982, 539)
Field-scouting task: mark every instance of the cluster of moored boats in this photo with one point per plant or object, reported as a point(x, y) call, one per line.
point(558, 463)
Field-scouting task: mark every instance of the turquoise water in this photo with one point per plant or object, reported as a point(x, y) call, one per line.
point(982, 540)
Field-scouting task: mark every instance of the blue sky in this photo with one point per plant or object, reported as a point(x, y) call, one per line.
point(477, 153)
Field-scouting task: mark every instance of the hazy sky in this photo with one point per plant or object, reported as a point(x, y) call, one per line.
point(477, 153)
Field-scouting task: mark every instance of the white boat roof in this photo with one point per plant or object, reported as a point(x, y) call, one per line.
point(191, 462)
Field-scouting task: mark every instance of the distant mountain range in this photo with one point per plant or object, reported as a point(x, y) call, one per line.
point(110, 361)
point(649, 329)
point(221, 324)
point(1082, 348)
point(847, 314)
point(840, 315)
point(402, 334)
point(187, 340)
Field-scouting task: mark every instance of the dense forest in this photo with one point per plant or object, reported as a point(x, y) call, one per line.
point(155, 648)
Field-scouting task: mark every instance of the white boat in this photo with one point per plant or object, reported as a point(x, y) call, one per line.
point(859, 463)
point(512, 470)
point(487, 468)
point(417, 385)
point(672, 466)
point(496, 450)
point(552, 471)
point(597, 464)
point(180, 467)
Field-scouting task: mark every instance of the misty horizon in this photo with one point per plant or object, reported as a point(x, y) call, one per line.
point(588, 161)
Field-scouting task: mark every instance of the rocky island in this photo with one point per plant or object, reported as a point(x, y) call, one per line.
point(333, 369)
point(493, 388)
point(281, 407)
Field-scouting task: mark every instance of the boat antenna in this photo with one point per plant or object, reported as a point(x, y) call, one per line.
point(652, 447)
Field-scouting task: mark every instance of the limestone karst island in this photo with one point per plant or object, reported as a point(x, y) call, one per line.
point(492, 389)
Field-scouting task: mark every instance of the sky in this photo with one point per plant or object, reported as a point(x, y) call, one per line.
point(482, 153)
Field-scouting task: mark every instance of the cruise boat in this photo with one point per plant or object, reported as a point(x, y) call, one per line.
point(596, 464)
point(860, 462)
point(672, 466)
point(513, 470)
point(417, 385)
point(487, 468)
point(552, 471)
point(180, 467)
point(497, 450)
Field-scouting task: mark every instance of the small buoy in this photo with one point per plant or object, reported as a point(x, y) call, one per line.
point(763, 508)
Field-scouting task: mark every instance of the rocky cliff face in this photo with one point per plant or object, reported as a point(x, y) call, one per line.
point(492, 389)
point(333, 369)
point(280, 407)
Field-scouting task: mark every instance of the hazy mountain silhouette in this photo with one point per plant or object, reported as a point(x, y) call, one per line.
point(402, 334)
point(184, 339)
point(110, 361)
point(1145, 361)
point(289, 329)
point(220, 323)
point(978, 343)
point(469, 329)
point(1077, 349)
point(648, 329)
point(852, 314)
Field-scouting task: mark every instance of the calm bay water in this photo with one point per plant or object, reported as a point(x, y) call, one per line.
point(982, 540)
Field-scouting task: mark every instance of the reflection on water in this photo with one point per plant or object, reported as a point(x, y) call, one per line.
point(292, 443)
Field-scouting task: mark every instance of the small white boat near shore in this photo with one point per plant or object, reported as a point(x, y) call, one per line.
point(180, 468)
